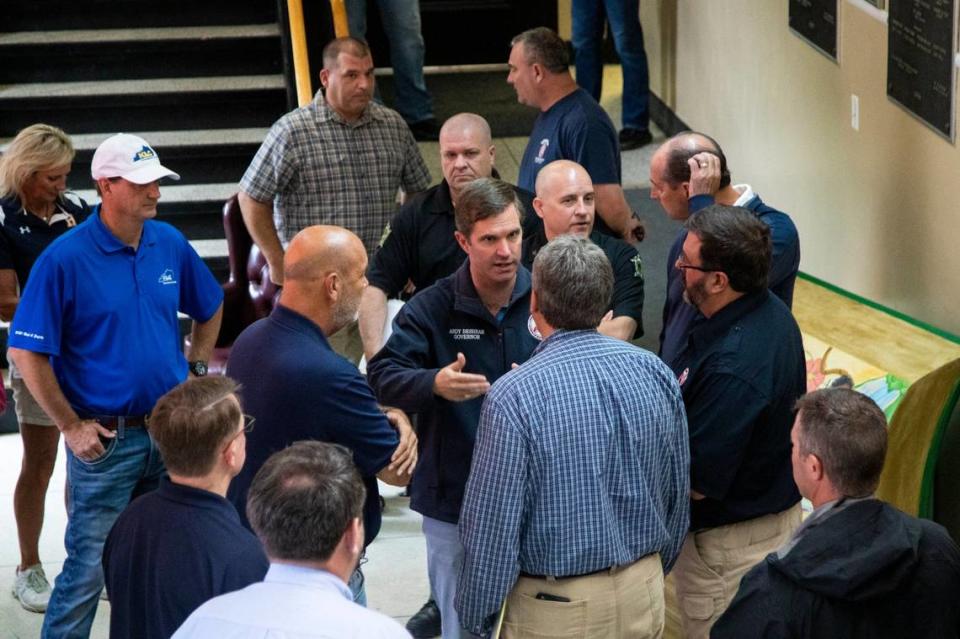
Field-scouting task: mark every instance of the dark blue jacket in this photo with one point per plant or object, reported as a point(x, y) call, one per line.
point(446, 319)
point(784, 266)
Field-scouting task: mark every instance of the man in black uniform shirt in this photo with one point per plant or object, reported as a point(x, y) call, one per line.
point(741, 372)
point(566, 203)
point(420, 246)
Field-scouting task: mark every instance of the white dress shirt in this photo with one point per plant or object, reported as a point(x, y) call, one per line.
point(292, 602)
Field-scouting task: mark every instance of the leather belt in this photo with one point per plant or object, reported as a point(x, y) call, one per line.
point(553, 578)
point(113, 422)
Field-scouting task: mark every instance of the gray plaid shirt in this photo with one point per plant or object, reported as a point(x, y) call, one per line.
point(319, 169)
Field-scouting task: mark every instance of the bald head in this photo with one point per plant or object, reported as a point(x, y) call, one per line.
point(675, 153)
point(318, 250)
point(565, 199)
point(466, 151)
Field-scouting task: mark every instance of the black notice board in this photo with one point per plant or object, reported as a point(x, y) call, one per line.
point(920, 74)
point(816, 22)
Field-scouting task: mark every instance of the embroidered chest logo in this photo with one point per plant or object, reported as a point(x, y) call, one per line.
point(683, 376)
point(467, 334)
point(146, 153)
point(637, 266)
point(532, 327)
point(544, 143)
point(24, 230)
point(167, 277)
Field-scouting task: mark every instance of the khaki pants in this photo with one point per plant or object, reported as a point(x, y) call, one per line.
point(622, 602)
point(712, 562)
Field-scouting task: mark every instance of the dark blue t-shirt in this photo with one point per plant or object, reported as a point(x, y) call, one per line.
point(298, 389)
point(169, 552)
point(575, 128)
point(24, 236)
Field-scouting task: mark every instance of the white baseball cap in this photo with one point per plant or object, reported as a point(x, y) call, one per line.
point(129, 157)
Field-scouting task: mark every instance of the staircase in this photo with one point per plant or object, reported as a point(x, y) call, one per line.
point(201, 80)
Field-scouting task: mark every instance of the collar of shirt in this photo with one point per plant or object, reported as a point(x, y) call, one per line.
point(560, 337)
point(309, 577)
point(467, 300)
point(109, 243)
point(441, 203)
point(819, 515)
point(300, 323)
point(746, 194)
point(325, 113)
point(196, 497)
point(705, 332)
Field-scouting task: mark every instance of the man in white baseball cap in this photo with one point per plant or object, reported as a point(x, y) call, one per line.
point(97, 339)
point(129, 157)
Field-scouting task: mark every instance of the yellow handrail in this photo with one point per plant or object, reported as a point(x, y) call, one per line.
point(301, 61)
point(339, 10)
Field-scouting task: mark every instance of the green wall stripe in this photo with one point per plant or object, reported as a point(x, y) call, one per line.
point(939, 332)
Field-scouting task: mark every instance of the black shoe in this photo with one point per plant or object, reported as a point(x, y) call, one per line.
point(634, 139)
point(426, 623)
point(425, 130)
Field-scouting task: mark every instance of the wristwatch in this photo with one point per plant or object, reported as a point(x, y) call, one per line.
point(198, 368)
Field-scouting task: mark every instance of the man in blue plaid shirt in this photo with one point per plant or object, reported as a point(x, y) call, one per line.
point(578, 498)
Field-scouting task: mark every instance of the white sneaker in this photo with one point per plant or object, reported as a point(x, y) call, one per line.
point(32, 588)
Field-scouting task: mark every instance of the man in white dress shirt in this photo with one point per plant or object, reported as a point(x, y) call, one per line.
point(306, 506)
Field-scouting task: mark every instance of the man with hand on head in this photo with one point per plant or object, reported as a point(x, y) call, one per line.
point(97, 340)
point(580, 479)
point(306, 506)
point(175, 548)
point(687, 174)
point(566, 202)
point(571, 126)
point(420, 247)
point(449, 343)
point(297, 388)
point(856, 567)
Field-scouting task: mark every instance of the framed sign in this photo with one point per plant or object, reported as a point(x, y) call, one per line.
point(920, 60)
point(816, 22)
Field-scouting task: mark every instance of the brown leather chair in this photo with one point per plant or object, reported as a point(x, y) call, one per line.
point(249, 294)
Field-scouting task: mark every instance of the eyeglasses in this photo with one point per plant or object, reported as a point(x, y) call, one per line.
point(248, 421)
point(683, 265)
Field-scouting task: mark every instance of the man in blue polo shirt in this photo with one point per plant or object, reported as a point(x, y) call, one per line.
point(298, 388)
point(97, 340)
point(741, 374)
point(182, 544)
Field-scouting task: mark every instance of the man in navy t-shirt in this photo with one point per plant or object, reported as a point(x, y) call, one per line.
point(173, 549)
point(571, 126)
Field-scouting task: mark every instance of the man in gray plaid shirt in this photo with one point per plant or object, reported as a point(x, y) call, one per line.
point(339, 160)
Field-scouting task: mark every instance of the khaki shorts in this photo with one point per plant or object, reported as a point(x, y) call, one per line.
point(28, 410)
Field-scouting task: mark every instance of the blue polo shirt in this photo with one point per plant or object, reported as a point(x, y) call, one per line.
point(107, 314)
point(297, 388)
point(170, 551)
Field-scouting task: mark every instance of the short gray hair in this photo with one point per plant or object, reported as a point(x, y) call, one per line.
point(573, 280)
point(303, 499)
point(544, 47)
point(847, 431)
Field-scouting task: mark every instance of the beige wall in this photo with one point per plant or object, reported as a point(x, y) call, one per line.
point(877, 209)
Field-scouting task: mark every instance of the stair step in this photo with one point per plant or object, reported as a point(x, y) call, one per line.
point(30, 15)
point(219, 155)
point(84, 55)
point(173, 103)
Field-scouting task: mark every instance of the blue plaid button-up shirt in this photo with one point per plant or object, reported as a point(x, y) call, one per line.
point(581, 463)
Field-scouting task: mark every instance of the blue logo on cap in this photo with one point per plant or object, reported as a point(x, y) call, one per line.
point(146, 153)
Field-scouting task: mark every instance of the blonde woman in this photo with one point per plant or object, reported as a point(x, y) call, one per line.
point(35, 209)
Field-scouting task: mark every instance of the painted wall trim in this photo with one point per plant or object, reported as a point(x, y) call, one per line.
point(869, 9)
point(939, 332)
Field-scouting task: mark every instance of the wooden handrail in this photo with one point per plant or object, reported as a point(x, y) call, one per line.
point(301, 60)
point(340, 25)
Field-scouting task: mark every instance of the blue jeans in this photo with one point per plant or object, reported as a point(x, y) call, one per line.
point(401, 21)
point(623, 17)
point(98, 493)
